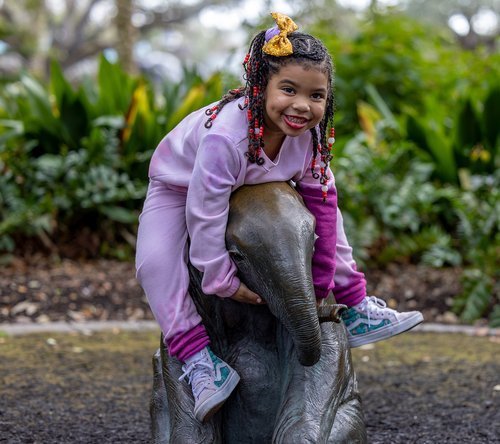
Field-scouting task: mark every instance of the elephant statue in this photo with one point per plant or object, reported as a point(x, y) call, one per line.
point(297, 380)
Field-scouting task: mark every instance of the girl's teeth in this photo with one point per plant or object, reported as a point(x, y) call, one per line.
point(296, 119)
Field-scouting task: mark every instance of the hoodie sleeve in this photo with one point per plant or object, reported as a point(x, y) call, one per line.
point(215, 171)
point(323, 261)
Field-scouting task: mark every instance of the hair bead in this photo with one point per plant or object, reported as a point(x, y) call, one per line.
point(324, 192)
point(210, 111)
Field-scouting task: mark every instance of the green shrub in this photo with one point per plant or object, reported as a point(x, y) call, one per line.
point(395, 210)
point(468, 145)
point(409, 63)
point(74, 159)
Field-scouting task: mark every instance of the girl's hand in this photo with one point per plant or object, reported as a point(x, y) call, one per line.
point(244, 294)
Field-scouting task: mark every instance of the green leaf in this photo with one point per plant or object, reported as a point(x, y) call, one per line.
point(416, 133)
point(42, 119)
point(115, 88)
point(468, 127)
point(74, 118)
point(60, 86)
point(50, 161)
point(16, 130)
point(381, 105)
point(495, 317)
point(115, 122)
point(119, 214)
point(468, 133)
point(193, 100)
point(491, 115)
point(476, 296)
point(38, 98)
point(427, 135)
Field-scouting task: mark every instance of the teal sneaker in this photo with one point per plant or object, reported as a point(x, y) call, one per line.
point(212, 381)
point(371, 321)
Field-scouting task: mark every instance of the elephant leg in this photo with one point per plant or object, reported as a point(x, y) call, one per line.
point(184, 428)
point(317, 399)
point(244, 336)
point(348, 426)
point(250, 413)
point(158, 407)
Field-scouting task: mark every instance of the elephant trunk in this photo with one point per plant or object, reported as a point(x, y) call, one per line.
point(307, 337)
point(299, 315)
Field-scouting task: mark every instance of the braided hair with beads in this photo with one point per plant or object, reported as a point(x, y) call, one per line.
point(259, 67)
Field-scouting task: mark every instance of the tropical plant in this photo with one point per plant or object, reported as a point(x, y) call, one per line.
point(469, 144)
point(73, 158)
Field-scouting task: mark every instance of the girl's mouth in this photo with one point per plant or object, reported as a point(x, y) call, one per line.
point(295, 122)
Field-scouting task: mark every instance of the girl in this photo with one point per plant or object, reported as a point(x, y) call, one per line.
point(275, 128)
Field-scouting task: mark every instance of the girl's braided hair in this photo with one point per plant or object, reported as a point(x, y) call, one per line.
point(259, 66)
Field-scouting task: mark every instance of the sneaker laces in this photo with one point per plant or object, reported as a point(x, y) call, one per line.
point(198, 374)
point(372, 304)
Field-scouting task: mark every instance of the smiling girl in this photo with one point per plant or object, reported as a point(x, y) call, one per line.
point(278, 127)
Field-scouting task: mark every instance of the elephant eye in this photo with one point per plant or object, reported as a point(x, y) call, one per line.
point(236, 255)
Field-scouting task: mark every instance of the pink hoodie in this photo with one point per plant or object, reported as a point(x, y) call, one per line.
point(210, 164)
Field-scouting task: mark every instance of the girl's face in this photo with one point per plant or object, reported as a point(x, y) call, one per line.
point(295, 100)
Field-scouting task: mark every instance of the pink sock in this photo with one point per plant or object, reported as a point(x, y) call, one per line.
point(186, 344)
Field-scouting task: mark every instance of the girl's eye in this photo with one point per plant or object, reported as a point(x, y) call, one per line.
point(318, 96)
point(288, 89)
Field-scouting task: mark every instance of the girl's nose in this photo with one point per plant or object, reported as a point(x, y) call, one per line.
point(301, 105)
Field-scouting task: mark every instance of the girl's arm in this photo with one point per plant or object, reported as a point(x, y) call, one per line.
point(215, 171)
point(323, 261)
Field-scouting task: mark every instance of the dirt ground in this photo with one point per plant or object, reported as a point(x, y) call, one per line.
point(43, 291)
point(416, 388)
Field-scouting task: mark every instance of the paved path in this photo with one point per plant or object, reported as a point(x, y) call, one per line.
point(78, 327)
point(97, 326)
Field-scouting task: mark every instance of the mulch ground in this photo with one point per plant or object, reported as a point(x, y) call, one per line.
point(45, 291)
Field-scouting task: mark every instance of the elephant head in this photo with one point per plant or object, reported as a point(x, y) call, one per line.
point(270, 236)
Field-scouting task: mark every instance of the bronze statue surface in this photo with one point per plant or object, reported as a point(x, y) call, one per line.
point(297, 381)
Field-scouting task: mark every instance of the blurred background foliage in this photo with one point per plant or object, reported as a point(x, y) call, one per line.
point(418, 124)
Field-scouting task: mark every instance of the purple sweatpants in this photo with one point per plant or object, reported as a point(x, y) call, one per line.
point(161, 264)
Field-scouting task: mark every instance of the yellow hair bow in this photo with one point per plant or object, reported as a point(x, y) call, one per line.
point(278, 45)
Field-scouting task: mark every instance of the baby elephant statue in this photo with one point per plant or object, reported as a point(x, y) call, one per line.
point(297, 382)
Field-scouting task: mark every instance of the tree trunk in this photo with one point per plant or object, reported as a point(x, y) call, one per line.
point(126, 35)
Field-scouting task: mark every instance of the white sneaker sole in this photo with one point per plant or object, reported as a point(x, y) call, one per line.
point(211, 405)
point(385, 332)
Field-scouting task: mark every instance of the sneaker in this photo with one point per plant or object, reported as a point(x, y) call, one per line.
point(212, 381)
point(371, 321)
